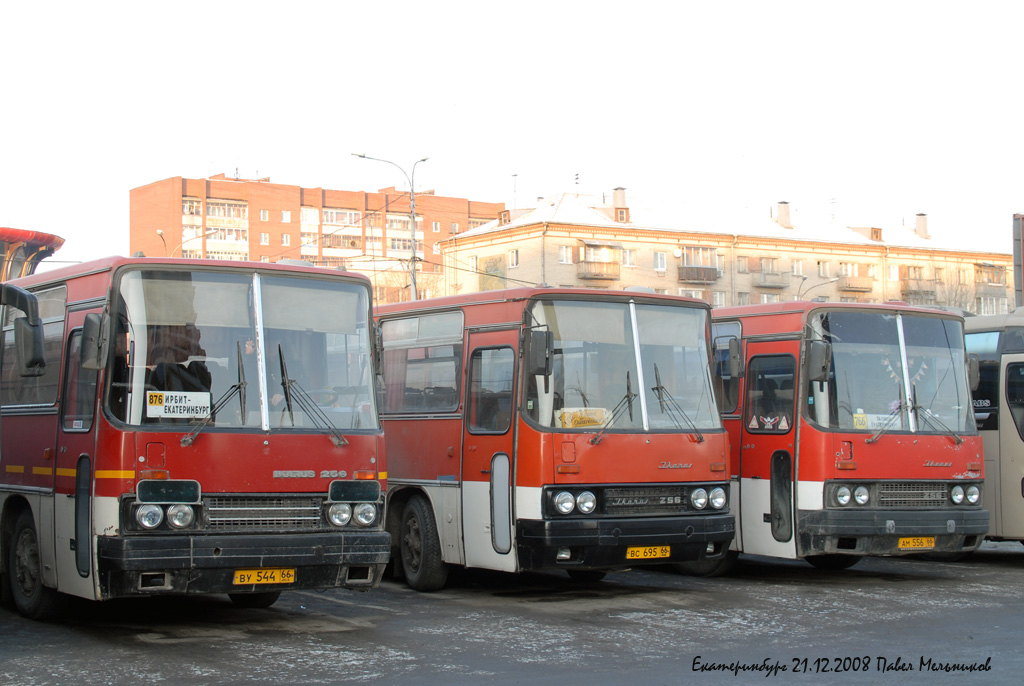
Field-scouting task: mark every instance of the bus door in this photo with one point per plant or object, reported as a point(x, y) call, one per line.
point(487, 452)
point(74, 467)
point(1010, 497)
point(767, 464)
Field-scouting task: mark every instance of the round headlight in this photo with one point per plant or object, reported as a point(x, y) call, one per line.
point(860, 494)
point(180, 516)
point(973, 494)
point(339, 514)
point(366, 513)
point(564, 502)
point(699, 498)
point(957, 494)
point(586, 502)
point(149, 516)
point(843, 495)
point(717, 498)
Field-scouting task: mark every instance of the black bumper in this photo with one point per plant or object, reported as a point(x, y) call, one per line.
point(602, 543)
point(877, 532)
point(149, 565)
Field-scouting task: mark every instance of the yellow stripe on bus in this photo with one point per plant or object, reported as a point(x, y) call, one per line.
point(42, 471)
point(382, 475)
point(115, 474)
point(14, 469)
point(66, 472)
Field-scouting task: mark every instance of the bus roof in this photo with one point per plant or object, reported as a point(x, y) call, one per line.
point(995, 322)
point(790, 316)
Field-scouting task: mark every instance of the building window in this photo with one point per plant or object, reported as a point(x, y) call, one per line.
point(718, 298)
point(660, 262)
point(700, 257)
point(455, 227)
point(824, 268)
point(915, 272)
point(876, 234)
point(742, 298)
point(191, 206)
point(769, 298)
point(264, 239)
point(691, 293)
point(621, 214)
point(227, 209)
point(309, 215)
point(742, 264)
point(473, 264)
point(437, 248)
point(286, 239)
point(513, 258)
point(565, 254)
point(286, 216)
point(798, 267)
point(629, 258)
point(991, 305)
point(436, 226)
point(264, 215)
point(769, 265)
point(847, 269)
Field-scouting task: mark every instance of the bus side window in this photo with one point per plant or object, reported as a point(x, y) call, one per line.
point(490, 390)
point(1015, 394)
point(79, 389)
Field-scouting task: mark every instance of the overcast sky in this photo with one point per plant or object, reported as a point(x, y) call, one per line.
point(876, 111)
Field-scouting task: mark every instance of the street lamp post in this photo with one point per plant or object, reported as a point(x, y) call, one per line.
point(159, 232)
point(412, 215)
point(804, 283)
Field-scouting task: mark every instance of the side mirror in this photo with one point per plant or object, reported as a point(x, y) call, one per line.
point(539, 352)
point(973, 371)
point(93, 354)
point(819, 356)
point(736, 366)
point(28, 341)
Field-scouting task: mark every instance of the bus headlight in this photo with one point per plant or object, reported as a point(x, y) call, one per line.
point(586, 502)
point(699, 498)
point(149, 516)
point(180, 516)
point(339, 514)
point(973, 494)
point(564, 502)
point(717, 498)
point(861, 495)
point(366, 513)
point(957, 494)
point(843, 495)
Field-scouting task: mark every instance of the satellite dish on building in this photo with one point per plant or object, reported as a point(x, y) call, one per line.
point(678, 252)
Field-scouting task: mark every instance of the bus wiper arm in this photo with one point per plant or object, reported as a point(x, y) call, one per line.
point(890, 420)
point(238, 388)
point(293, 391)
point(937, 423)
point(675, 410)
point(627, 401)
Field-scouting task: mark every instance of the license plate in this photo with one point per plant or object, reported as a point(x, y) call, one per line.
point(917, 543)
point(648, 553)
point(247, 577)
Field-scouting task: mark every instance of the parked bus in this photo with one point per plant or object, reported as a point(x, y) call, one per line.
point(851, 432)
point(201, 427)
point(551, 429)
point(998, 341)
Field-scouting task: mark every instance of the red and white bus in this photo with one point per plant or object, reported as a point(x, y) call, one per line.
point(551, 429)
point(201, 427)
point(851, 431)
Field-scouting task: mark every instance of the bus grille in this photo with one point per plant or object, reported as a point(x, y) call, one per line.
point(913, 494)
point(646, 500)
point(263, 513)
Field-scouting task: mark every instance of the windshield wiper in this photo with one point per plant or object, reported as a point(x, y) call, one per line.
point(925, 412)
point(292, 390)
point(238, 388)
point(674, 408)
point(890, 420)
point(627, 401)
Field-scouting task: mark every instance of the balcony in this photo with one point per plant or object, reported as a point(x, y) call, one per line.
point(768, 280)
point(691, 274)
point(990, 290)
point(598, 270)
point(859, 284)
point(919, 286)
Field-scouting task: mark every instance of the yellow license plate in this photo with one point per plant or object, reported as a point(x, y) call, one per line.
point(648, 552)
point(917, 543)
point(247, 577)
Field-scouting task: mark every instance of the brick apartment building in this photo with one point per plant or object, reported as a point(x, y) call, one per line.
point(253, 219)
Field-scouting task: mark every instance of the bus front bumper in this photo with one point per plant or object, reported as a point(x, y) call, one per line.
point(881, 532)
point(149, 565)
point(586, 544)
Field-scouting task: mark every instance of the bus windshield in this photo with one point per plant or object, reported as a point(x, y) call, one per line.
point(891, 372)
point(623, 366)
point(239, 349)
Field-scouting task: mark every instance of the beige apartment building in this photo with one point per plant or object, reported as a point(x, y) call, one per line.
point(581, 241)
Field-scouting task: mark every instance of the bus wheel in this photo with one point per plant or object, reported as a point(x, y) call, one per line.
point(708, 568)
point(420, 546)
point(586, 575)
point(252, 601)
point(32, 599)
point(834, 562)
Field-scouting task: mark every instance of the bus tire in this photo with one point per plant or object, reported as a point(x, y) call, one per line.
point(420, 547)
point(833, 562)
point(254, 601)
point(32, 599)
point(708, 568)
